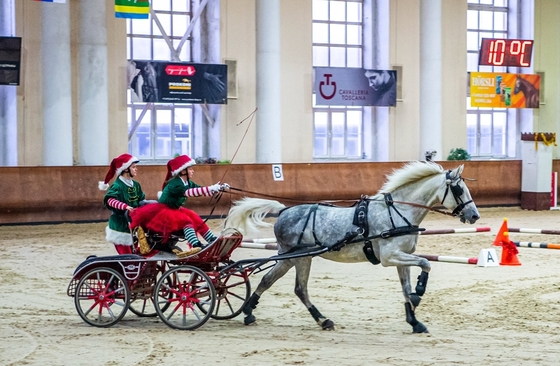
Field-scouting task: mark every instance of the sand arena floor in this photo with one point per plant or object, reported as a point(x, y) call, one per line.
point(505, 315)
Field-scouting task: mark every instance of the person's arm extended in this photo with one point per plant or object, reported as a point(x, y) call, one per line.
point(112, 202)
point(203, 191)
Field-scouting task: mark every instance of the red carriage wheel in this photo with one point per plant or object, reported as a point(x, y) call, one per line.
point(185, 297)
point(102, 297)
point(232, 293)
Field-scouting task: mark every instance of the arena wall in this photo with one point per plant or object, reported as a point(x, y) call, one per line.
point(70, 194)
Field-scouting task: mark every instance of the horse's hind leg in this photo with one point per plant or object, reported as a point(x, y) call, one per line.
point(303, 267)
point(412, 299)
point(277, 272)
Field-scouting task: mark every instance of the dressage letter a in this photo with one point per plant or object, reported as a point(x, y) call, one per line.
point(488, 258)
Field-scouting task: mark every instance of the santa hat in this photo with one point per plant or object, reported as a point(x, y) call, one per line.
point(118, 165)
point(177, 165)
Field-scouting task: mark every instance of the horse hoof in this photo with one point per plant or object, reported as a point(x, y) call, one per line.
point(249, 319)
point(419, 328)
point(327, 325)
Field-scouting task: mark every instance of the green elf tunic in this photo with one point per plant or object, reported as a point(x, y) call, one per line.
point(169, 215)
point(173, 194)
point(118, 231)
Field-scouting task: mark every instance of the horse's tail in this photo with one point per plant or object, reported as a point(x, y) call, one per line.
point(247, 214)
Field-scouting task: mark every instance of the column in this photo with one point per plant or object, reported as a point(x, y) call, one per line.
point(536, 170)
point(376, 56)
point(57, 88)
point(210, 43)
point(430, 78)
point(93, 120)
point(268, 117)
point(8, 101)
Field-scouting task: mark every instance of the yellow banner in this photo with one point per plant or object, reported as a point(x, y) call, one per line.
point(501, 90)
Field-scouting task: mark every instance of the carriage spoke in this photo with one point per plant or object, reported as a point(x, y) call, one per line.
point(102, 297)
point(192, 288)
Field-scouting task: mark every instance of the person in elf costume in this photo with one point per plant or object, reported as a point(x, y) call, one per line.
point(169, 215)
point(124, 195)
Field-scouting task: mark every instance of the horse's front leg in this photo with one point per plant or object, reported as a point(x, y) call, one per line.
point(402, 259)
point(411, 300)
point(403, 262)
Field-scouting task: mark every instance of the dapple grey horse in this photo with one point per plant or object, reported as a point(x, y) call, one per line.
point(381, 228)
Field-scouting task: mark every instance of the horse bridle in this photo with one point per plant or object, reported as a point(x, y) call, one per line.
point(457, 191)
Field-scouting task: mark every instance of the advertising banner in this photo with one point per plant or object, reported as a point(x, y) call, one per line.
point(501, 90)
point(177, 82)
point(355, 87)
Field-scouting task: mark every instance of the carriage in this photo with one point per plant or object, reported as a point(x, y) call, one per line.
point(183, 292)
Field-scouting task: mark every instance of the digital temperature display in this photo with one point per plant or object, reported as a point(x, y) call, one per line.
point(505, 52)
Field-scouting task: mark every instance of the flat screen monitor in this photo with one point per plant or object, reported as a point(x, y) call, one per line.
point(10, 60)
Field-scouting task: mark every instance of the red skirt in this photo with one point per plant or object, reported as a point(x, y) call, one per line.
point(164, 220)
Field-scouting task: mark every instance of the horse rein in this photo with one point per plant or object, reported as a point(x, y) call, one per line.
point(452, 184)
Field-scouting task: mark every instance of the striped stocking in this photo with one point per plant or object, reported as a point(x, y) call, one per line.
point(209, 237)
point(191, 237)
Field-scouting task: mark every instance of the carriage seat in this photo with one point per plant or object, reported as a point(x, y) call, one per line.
point(156, 241)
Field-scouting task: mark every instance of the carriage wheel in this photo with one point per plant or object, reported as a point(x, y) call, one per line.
point(143, 306)
point(232, 293)
point(102, 297)
point(185, 297)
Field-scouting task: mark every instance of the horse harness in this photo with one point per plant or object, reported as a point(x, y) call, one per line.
point(360, 220)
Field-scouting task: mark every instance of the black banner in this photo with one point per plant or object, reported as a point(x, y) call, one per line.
point(177, 82)
point(10, 59)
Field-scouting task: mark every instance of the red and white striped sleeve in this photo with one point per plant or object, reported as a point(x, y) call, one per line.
point(197, 192)
point(116, 204)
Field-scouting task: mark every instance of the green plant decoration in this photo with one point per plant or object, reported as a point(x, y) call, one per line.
point(458, 154)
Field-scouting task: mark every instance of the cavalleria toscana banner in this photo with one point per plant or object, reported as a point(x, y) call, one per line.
point(501, 90)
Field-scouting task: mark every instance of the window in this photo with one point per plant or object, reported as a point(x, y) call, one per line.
point(157, 132)
point(487, 128)
point(337, 42)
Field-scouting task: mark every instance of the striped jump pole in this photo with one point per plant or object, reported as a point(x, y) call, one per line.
point(263, 240)
point(268, 246)
point(425, 232)
point(449, 259)
point(432, 258)
point(456, 231)
point(528, 244)
point(533, 231)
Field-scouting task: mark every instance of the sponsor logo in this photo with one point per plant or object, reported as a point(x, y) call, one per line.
point(480, 81)
point(180, 70)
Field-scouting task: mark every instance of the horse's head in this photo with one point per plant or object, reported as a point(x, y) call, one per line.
point(458, 198)
point(517, 88)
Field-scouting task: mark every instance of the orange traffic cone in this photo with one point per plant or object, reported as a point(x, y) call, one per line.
point(500, 238)
point(509, 252)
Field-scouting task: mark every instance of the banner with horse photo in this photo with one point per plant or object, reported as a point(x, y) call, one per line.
point(501, 90)
point(177, 82)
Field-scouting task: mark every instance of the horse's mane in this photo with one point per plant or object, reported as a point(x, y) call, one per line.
point(411, 172)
